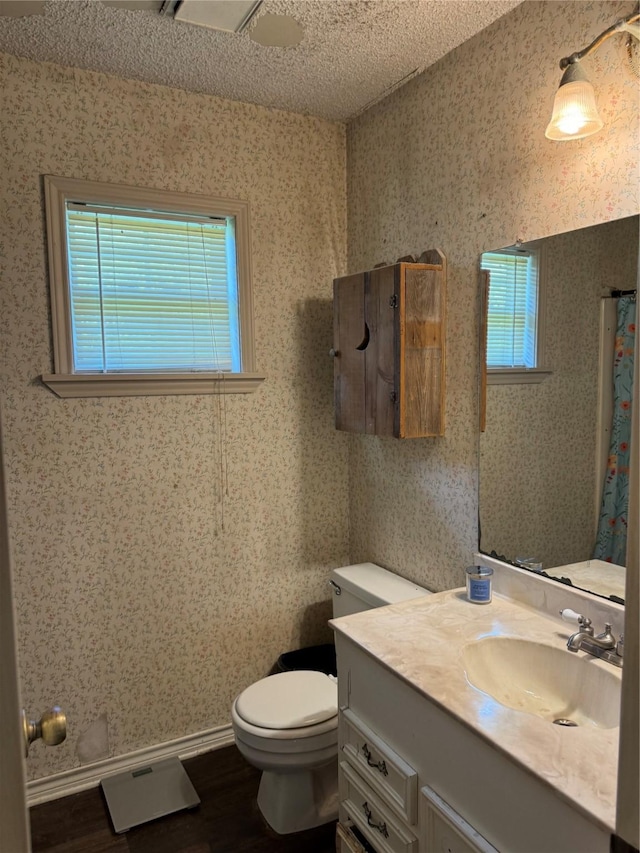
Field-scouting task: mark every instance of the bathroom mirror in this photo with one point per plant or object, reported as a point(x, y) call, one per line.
point(545, 448)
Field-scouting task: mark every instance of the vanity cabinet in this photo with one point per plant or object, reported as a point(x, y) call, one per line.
point(414, 779)
point(445, 831)
point(389, 349)
point(379, 790)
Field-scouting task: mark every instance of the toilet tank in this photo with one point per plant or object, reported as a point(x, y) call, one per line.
point(365, 585)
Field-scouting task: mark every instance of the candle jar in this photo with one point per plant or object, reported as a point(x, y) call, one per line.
point(479, 584)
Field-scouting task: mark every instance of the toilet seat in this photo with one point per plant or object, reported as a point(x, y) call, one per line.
point(283, 740)
point(289, 700)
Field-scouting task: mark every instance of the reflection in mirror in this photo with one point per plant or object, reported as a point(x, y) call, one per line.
point(548, 471)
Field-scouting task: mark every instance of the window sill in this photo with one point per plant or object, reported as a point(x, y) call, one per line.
point(517, 376)
point(150, 384)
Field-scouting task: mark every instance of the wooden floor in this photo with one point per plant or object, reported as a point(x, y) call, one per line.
point(226, 821)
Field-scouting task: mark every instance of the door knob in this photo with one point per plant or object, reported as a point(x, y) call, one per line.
point(51, 727)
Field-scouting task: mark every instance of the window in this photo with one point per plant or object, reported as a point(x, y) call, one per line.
point(150, 291)
point(514, 315)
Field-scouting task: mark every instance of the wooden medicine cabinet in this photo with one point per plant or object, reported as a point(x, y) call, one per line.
point(389, 349)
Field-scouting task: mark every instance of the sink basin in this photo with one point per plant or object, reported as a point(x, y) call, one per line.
point(552, 683)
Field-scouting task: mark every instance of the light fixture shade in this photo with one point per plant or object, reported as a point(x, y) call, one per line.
point(575, 114)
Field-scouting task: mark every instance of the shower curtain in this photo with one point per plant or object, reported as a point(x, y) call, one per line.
point(611, 539)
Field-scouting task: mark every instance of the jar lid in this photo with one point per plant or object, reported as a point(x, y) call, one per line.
point(479, 571)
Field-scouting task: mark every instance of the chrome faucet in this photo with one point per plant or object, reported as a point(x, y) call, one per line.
point(604, 645)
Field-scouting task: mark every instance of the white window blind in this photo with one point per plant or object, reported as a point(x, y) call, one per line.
point(152, 291)
point(512, 315)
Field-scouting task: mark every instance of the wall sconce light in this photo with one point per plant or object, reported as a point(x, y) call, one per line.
point(575, 114)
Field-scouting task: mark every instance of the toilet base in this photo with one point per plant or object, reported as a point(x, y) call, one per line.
point(292, 802)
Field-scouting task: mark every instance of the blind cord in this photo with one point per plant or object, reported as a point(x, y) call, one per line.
point(104, 350)
point(223, 469)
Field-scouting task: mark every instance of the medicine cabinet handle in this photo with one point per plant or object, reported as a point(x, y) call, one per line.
point(381, 827)
point(379, 765)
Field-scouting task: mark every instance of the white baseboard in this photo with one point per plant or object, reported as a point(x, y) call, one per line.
point(90, 775)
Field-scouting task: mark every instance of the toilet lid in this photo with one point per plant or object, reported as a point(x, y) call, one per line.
point(289, 700)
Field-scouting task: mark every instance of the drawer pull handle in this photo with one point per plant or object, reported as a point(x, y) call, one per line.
point(379, 765)
point(381, 827)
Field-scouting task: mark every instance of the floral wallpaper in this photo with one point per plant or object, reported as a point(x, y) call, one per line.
point(147, 596)
point(457, 159)
point(538, 453)
point(147, 593)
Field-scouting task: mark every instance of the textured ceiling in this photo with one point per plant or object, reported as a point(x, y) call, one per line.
point(352, 53)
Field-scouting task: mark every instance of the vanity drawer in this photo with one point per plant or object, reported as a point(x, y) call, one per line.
point(445, 831)
point(395, 781)
point(375, 822)
point(346, 841)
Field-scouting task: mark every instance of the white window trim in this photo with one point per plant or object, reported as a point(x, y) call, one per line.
point(65, 383)
point(528, 375)
point(516, 375)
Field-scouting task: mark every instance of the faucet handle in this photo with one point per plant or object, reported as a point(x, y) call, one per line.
point(607, 636)
point(570, 615)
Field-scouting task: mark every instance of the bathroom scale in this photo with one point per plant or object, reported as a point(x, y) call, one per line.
point(147, 793)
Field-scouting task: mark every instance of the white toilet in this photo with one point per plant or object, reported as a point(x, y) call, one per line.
point(287, 724)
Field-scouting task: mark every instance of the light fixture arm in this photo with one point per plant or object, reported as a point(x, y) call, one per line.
point(566, 61)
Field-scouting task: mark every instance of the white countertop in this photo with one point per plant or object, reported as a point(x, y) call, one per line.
point(595, 575)
point(421, 641)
